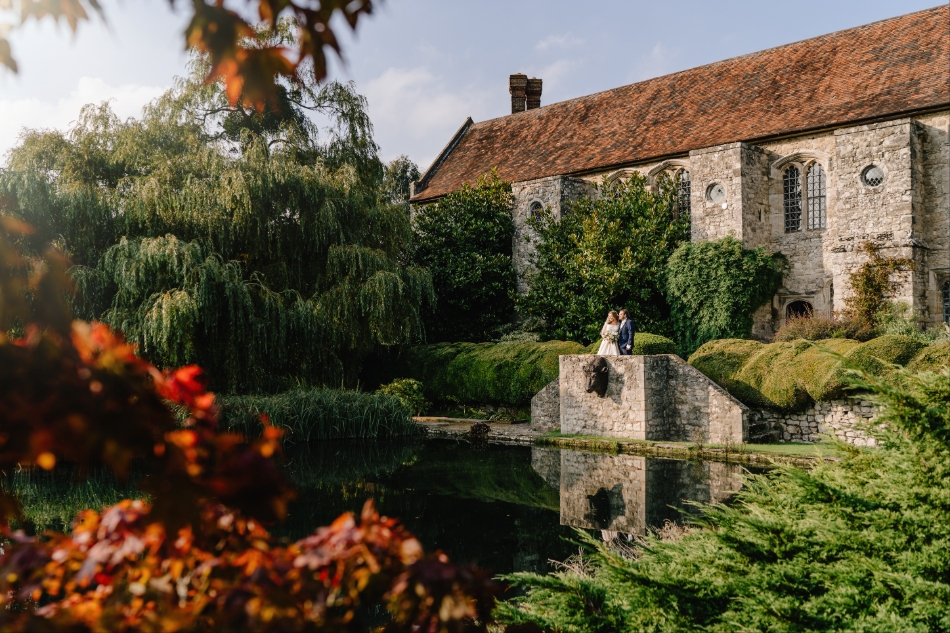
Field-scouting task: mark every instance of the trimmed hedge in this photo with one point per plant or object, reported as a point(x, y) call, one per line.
point(792, 375)
point(643, 343)
point(496, 373)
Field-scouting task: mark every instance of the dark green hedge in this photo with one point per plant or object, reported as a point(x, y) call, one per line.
point(792, 375)
point(494, 373)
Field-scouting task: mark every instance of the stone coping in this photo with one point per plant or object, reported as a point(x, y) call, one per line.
point(524, 435)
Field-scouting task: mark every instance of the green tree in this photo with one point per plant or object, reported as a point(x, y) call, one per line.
point(261, 250)
point(398, 177)
point(715, 287)
point(606, 253)
point(464, 241)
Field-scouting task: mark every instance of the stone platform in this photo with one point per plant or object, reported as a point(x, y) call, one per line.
point(658, 397)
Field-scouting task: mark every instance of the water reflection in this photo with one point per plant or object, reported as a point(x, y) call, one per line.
point(505, 508)
point(628, 493)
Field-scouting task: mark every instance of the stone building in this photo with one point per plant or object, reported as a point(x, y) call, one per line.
point(810, 149)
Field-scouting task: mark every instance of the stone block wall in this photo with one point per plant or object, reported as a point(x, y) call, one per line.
point(650, 398)
point(546, 408)
point(551, 193)
point(841, 418)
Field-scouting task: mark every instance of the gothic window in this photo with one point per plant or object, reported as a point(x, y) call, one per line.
point(792, 191)
point(815, 182)
point(946, 302)
point(683, 193)
point(536, 208)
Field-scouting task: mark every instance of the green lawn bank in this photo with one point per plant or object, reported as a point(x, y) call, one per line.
point(507, 374)
point(791, 376)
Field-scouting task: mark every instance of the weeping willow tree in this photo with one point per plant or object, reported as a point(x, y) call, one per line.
point(260, 245)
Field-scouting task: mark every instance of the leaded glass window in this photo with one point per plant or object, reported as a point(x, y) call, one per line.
point(815, 182)
point(683, 193)
point(946, 302)
point(792, 190)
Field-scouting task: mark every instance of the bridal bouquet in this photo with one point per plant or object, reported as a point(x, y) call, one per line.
point(613, 337)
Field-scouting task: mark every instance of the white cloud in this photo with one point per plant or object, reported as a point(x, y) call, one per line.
point(553, 73)
point(16, 114)
point(414, 113)
point(558, 41)
point(659, 61)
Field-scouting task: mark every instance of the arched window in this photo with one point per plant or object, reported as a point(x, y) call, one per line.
point(683, 193)
point(946, 302)
point(798, 309)
point(536, 208)
point(815, 184)
point(792, 197)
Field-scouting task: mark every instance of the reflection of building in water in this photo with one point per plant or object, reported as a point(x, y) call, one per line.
point(627, 493)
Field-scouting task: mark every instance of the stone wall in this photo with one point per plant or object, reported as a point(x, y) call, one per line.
point(546, 408)
point(908, 215)
point(551, 193)
point(651, 398)
point(841, 418)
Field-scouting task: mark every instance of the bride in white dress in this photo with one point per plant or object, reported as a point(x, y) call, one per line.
point(610, 332)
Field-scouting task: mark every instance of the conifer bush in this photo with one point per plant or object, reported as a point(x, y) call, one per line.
point(854, 545)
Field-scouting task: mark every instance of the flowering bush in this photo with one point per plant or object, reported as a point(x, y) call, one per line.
point(198, 557)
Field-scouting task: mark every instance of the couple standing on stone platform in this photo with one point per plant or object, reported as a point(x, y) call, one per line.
point(617, 335)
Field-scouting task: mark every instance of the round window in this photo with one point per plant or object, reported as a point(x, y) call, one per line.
point(716, 193)
point(872, 176)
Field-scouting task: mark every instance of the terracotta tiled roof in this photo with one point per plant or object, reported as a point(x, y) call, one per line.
point(895, 66)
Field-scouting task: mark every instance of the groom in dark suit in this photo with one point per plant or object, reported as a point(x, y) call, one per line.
point(625, 336)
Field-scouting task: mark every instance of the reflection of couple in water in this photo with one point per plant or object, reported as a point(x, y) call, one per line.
point(617, 335)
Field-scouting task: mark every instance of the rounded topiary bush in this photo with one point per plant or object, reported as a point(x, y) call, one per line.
point(934, 358)
point(791, 375)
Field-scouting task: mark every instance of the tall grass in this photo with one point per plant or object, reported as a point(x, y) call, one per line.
point(320, 414)
point(51, 499)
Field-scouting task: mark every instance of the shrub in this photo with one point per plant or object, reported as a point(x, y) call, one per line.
point(792, 375)
point(604, 254)
point(483, 373)
point(871, 284)
point(409, 392)
point(932, 358)
point(464, 241)
point(815, 327)
point(853, 545)
point(714, 288)
point(321, 414)
point(644, 343)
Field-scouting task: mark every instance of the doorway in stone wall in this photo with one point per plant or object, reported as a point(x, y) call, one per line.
point(798, 309)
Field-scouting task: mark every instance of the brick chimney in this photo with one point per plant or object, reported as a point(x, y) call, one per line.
point(533, 93)
point(517, 84)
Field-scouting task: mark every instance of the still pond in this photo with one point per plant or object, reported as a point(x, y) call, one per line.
point(505, 508)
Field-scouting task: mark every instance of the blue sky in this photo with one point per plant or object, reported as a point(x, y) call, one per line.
point(425, 65)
